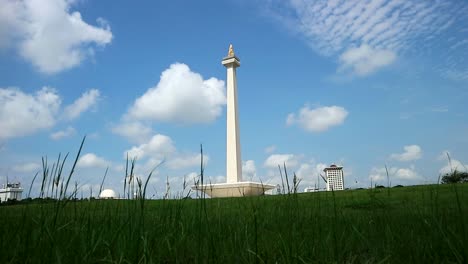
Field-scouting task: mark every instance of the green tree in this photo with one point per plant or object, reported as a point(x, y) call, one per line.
point(455, 177)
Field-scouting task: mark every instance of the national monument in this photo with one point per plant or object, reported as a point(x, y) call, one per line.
point(234, 186)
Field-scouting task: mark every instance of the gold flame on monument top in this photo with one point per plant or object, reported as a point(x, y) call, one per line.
point(231, 51)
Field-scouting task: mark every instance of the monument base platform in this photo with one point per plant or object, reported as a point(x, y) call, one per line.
point(236, 189)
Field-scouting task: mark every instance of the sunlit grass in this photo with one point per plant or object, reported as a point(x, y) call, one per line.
point(413, 224)
point(418, 224)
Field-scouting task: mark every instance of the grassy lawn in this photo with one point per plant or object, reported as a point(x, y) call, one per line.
point(419, 224)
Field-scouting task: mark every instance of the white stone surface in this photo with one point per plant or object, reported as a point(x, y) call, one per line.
point(234, 186)
point(233, 148)
point(238, 189)
point(108, 194)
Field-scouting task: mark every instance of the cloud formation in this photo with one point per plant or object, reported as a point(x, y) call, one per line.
point(412, 152)
point(379, 175)
point(181, 96)
point(365, 60)
point(91, 160)
point(369, 35)
point(319, 119)
point(161, 148)
point(308, 173)
point(134, 131)
point(274, 160)
point(27, 167)
point(186, 160)
point(87, 100)
point(452, 166)
point(270, 149)
point(22, 114)
point(48, 34)
point(158, 146)
point(249, 171)
point(67, 132)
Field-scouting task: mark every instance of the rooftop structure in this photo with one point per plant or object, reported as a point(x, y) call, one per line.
point(108, 194)
point(11, 191)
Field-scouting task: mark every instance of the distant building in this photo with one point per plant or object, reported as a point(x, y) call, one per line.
point(11, 191)
point(274, 191)
point(311, 189)
point(334, 176)
point(108, 194)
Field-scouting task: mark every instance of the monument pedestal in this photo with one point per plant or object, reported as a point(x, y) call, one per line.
point(235, 189)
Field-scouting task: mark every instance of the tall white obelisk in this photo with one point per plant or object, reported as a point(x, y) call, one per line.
point(234, 186)
point(233, 148)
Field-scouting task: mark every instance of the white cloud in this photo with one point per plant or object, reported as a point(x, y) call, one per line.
point(22, 114)
point(305, 171)
point(49, 34)
point(134, 131)
point(453, 165)
point(181, 96)
point(93, 135)
point(176, 183)
point(439, 109)
point(443, 155)
point(159, 146)
point(308, 173)
point(274, 160)
point(406, 174)
point(455, 74)
point(379, 175)
point(27, 167)
point(182, 161)
point(319, 119)
point(412, 152)
point(332, 26)
point(8, 21)
point(270, 149)
point(384, 28)
point(191, 177)
point(119, 168)
point(90, 160)
point(87, 100)
point(91, 189)
point(217, 179)
point(309, 170)
point(69, 131)
point(150, 164)
point(365, 60)
point(249, 170)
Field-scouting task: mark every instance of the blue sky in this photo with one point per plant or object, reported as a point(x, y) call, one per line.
point(362, 84)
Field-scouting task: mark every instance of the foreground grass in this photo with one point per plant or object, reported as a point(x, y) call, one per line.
point(399, 225)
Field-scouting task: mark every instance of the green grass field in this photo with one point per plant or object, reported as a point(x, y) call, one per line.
point(420, 224)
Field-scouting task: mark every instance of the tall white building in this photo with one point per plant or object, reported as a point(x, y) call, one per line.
point(10, 191)
point(334, 176)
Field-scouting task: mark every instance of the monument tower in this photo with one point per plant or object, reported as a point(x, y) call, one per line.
point(234, 186)
point(233, 149)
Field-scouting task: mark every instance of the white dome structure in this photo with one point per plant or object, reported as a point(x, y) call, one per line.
point(108, 194)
